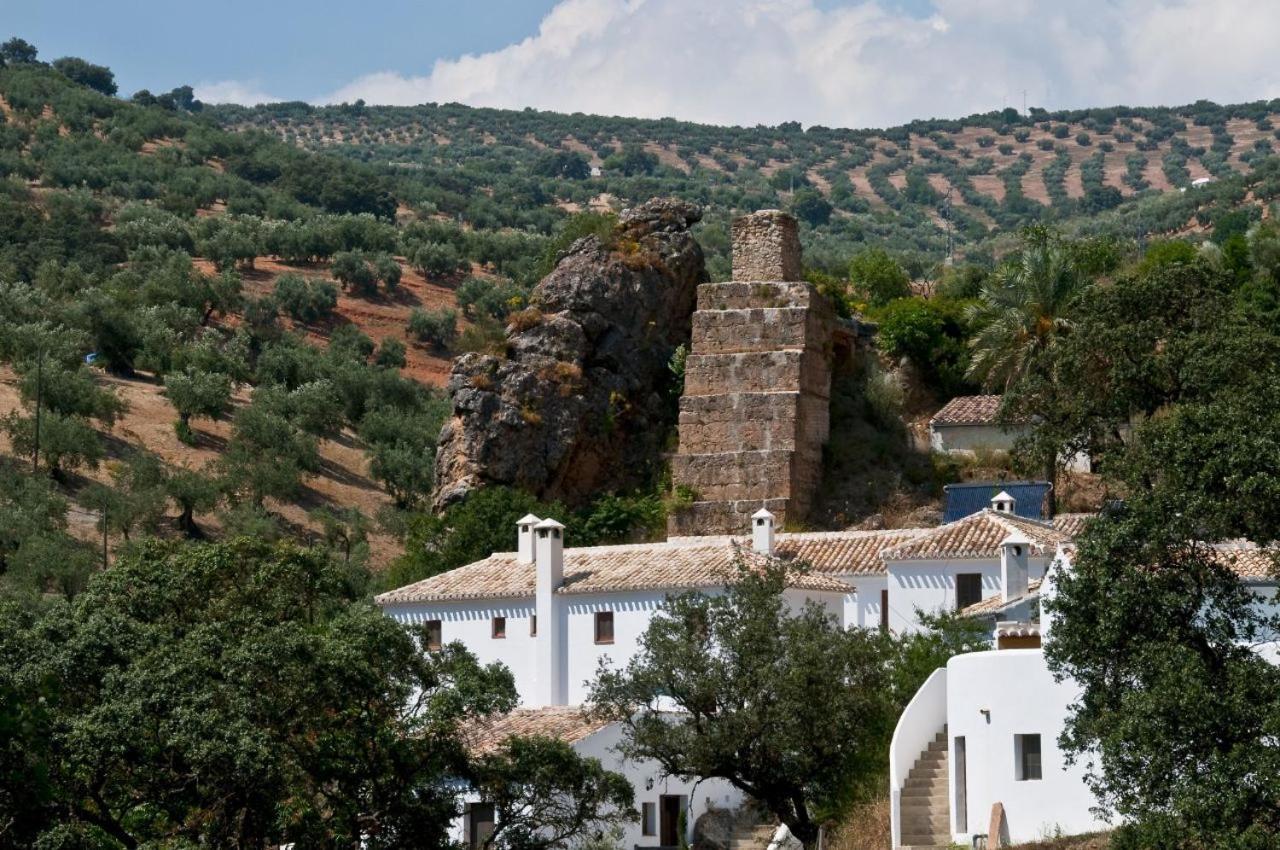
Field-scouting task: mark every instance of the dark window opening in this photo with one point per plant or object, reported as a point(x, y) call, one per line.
point(1027, 751)
point(533, 625)
point(884, 610)
point(604, 627)
point(968, 590)
point(435, 633)
point(499, 627)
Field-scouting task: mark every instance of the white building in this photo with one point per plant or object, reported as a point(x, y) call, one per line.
point(551, 614)
point(959, 564)
point(976, 749)
point(967, 425)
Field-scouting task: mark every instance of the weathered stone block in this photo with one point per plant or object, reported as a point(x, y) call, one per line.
point(766, 246)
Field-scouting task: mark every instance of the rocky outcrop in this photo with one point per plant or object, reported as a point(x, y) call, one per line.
point(581, 402)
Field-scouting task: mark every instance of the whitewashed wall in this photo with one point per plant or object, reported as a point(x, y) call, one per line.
point(1021, 697)
point(930, 585)
point(645, 778)
point(471, 623)
point(972, 438)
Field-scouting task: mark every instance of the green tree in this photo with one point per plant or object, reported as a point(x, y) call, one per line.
point(811, 207)
point(879, 275)
point(437, 259)
point(193, 492)
point(391, 354)
point(436, 328)
point(309, 716)
point(1021, 309)
point(791, 709)
point(16, 51)
point(193, 393)
point(546, 796)
point(266, 456)
point(97, 77)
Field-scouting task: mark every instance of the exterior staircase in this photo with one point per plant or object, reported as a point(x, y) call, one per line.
point(752, 835)
point(926, 806)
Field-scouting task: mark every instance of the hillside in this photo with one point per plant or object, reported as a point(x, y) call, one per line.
point(143, 240)
point(902, 188)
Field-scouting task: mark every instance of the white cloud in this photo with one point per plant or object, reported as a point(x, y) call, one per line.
point(233, 91)
point(864, 64)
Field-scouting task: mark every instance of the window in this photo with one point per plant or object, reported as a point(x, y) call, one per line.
point(968, 590)
point(649, 818)
point(884, 610)
point(1026, 753)
point(533, 625)
point(434, 632)
point(480, 824)
point(604, 627)
point(499, 627)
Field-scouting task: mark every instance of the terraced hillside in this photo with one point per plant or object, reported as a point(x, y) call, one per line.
point(905, 187)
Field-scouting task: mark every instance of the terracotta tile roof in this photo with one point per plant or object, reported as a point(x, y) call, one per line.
point(968, 410)
point(688, 564)
point(1251, 563)
point(845, 552)
point(567, 723)
point(1072, 524)
point(995, 604)
point(977, 536)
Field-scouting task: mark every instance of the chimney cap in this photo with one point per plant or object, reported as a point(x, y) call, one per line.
point(528, 519)
point(549, 523)
point(1017, 538)
point(1003, 496)
point(763, 513)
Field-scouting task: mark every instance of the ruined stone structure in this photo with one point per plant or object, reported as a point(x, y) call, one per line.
point(754, 414)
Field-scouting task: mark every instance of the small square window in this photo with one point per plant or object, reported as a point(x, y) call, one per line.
point(968, 590)
point(1027, 757)
point(604, 627)
point(533, 625)
point(499, 627)
point(649, 819)
point(434, 634)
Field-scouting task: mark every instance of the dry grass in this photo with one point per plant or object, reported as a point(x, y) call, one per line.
point(1095, 841)
point(866, 828)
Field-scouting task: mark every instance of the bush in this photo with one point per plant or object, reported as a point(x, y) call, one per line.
point(436, 328)
point(929, 333)
point(1083, 140)
point(437, 259)
point(879, 275)
point(479, 296)
point(306, 301)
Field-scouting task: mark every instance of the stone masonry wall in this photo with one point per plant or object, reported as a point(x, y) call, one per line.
point(754, 414)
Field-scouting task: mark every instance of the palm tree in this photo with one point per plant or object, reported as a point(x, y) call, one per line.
point(1020, 311)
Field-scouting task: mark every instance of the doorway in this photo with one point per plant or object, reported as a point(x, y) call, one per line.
point(479, 824)
point(670, 806)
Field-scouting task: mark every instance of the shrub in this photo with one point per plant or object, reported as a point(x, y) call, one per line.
point(1083, 140)
point(436, 328)
point(306, 301)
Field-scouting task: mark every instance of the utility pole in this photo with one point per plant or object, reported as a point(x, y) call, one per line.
point(1024, 101)
point(104, 534)
point(35, 454)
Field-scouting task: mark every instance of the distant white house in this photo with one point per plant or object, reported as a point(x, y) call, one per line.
point(597, 171)
point(977, 747)
point(967, 424)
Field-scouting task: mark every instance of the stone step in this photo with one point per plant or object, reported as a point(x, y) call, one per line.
point(928, 840)
point(925, 796)
point(932, 820)
point(918, 804)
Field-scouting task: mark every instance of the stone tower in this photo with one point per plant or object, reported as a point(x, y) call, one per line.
point(754, 414)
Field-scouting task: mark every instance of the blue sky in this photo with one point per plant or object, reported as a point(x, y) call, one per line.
point(856, 63)
point(292, 48)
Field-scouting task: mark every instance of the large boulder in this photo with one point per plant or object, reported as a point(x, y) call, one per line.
point(581, 403)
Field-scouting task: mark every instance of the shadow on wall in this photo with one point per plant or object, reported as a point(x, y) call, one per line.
point(870, 465)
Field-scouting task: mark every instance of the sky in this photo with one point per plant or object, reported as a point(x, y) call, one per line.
point(840, 63)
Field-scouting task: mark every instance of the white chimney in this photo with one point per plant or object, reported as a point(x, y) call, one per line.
point(762, 532)
point(1013, 565)
point(524, 538)
point(1003, 503)
point(549, 648)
